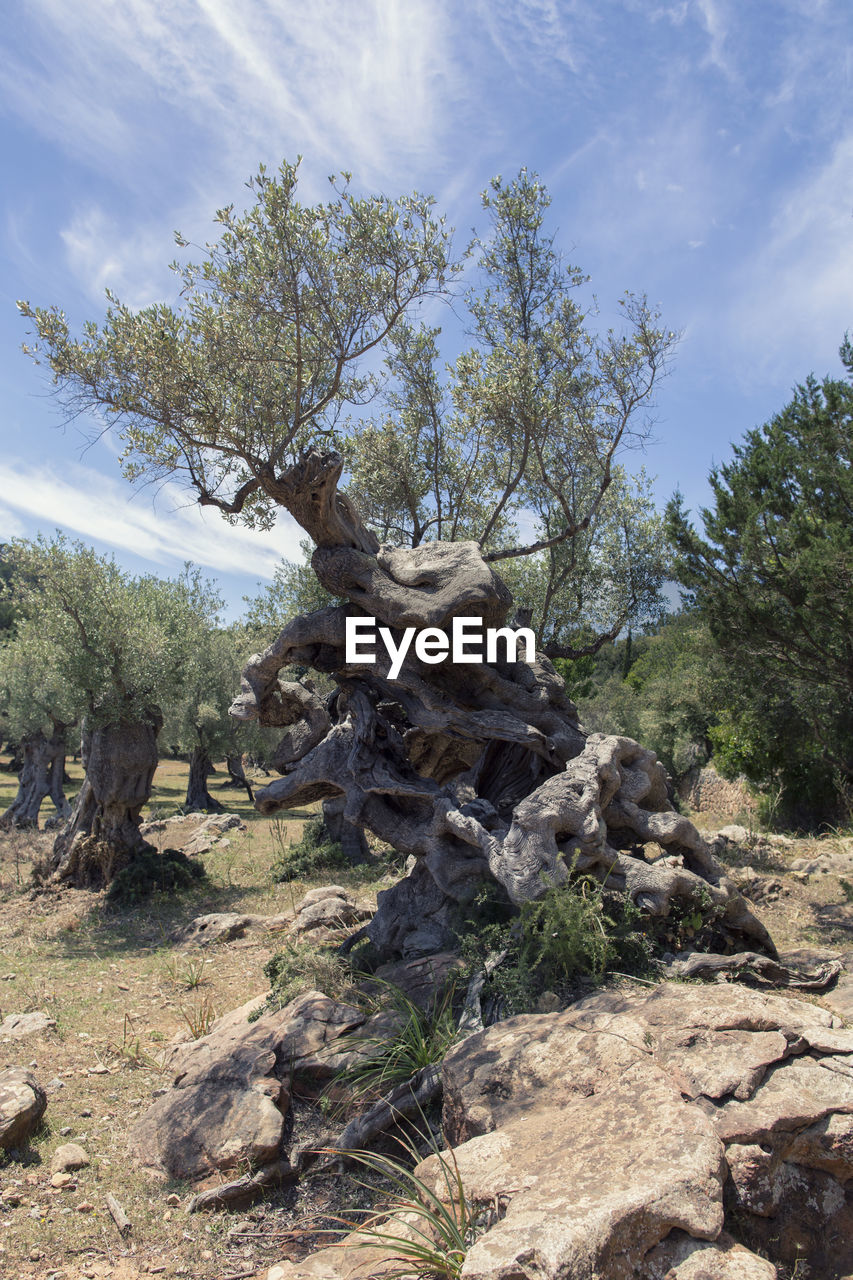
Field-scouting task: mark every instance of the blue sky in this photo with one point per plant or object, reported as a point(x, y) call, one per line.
point(700, 151)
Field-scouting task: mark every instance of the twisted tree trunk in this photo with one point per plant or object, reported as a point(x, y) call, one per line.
point(198, 797)
point(42, 774)
point(102, 834)
point(237, 776)
point(478, 770)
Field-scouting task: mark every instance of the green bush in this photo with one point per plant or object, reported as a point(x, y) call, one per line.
point(302, 967)
point(151, 872)
point(312, 853)
point(575, 932)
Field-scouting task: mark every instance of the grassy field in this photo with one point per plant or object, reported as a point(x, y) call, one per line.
point(120, 990)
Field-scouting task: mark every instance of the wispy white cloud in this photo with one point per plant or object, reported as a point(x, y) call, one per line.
point(184, 101)
point(131, 261)
point(794, 296)
point(167, 528)
point(366, 82)
point(714, 20)
point(538, 34)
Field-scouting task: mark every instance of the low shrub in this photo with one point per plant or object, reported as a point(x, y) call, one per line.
point(419, 1038)
point(576, 932)
point(302, 967)
point(426, 1230)
point(151, 872)
point(312, 853)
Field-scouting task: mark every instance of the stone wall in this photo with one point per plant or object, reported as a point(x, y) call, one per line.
point(707, 792)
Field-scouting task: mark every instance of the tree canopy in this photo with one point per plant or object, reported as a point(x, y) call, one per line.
point(265, 346)
point(523, 428)
point(117, 645)
point(512, 445)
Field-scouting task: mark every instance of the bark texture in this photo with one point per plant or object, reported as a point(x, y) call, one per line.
point(42, 774)
point(475, 770)
point(102, 833)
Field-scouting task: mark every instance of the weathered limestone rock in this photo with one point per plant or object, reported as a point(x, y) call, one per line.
point(17, 1026)
point(231, 1088)
point(592, 1185)
point(771, 1077)
point(22, 1104)
point(325, 911)
point(228, 926)
point(835, 861)
point(191, 833)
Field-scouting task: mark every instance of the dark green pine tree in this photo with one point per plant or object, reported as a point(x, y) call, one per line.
point(773, 576)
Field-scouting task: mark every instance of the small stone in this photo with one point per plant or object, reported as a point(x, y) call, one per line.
point(35, 1255)
point(173, 1200)
point(9, 977)
point(69, 1156)
point(11, 1197)
point(65, 1131)
point(85, 1114)
point(123, 986)
point(85, 1206)
point(61, 1180)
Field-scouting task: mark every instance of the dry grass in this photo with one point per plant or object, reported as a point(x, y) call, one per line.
point(120, 991)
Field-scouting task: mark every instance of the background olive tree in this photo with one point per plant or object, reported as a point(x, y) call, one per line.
point(119, 647)
point(38, 709)
point(196, 720)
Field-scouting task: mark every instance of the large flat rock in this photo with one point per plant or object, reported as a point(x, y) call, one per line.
point(770, 1075)
point(593, 1185)
point(17, 1026)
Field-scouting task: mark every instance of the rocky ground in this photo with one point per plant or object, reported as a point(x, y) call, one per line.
point(118, 988)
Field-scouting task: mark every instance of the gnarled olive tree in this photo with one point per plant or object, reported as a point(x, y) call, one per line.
point(477, 770)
